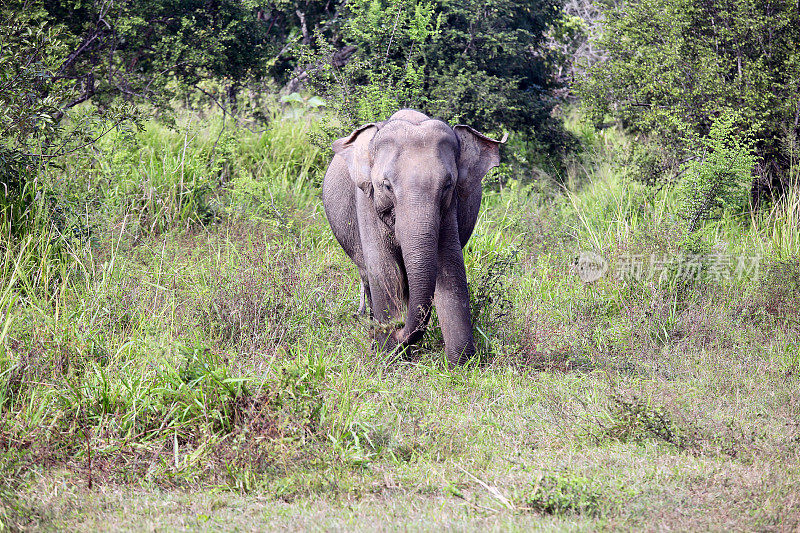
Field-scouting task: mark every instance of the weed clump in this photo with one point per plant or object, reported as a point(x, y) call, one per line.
point(251, 305)
point(490, 302)
point(561, 494)
point(636, 420)
point(278, 425)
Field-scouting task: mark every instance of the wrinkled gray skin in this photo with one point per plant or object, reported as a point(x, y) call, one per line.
point(402, 197)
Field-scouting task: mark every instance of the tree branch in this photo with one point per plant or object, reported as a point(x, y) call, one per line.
point(73, 56)
point(23, 69)
point(50, 156)
point(225, 111)
point(303, 26)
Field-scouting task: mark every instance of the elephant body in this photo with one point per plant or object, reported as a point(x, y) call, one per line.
point(402, 198)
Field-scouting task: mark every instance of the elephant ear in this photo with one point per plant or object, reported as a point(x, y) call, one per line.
point(354, 149)
point(478, 155)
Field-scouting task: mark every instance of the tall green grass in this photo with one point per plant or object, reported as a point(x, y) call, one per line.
point(776, 232)
point(203, 170)
point(608, 210)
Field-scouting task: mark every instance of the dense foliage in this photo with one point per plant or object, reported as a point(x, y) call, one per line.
point(674, 66)
point(486, 63)
point(490, 67)
point(34, 100)
point(719, 181)
point(150, 50)
point(483, 63)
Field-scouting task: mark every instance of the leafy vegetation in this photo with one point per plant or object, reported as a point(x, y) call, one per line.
point(478, 63)
point(559, 495)
point(32, 99)
point(154, 50)
point(674, 67)
point(718, 182)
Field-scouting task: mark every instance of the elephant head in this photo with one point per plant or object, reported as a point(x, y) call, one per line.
point(423, 182)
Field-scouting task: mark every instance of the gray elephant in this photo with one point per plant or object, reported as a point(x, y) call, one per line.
point(402, 197)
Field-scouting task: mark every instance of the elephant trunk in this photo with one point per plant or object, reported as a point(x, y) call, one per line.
point(418, 237)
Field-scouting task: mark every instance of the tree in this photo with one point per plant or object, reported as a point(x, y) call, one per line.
point(491, 66)
point(33, 100)
point(151, 50)
point(674, 67)
point(480, 62)
point(574, 38)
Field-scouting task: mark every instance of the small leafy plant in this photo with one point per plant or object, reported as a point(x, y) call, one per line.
point(717, 182)
point(560, 494)
point(637, 420)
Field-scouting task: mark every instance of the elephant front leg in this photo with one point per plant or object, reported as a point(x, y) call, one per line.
point(385, 290)
point(452, 298)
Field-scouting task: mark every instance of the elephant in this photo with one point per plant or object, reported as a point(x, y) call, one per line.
point(402, 198)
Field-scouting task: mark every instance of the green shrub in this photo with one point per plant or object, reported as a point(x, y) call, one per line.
point(35, 130)
point(560, 494)
point(675, 65)
point(717, 181)
point(637, 420)
point(385, 74)
point(485, 64)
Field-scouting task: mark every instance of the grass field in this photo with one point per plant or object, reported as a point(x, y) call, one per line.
point(179, 352)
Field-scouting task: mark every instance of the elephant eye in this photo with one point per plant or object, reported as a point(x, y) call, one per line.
point(448, 183)
point(387, 185)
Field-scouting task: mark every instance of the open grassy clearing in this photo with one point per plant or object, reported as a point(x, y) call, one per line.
point(196, 363)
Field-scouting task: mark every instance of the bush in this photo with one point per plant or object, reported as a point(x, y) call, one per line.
point(485, 64)
point(35, 129)
point(636, 420)
point(717, 180)
point(674, 67)
point(560, 494)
